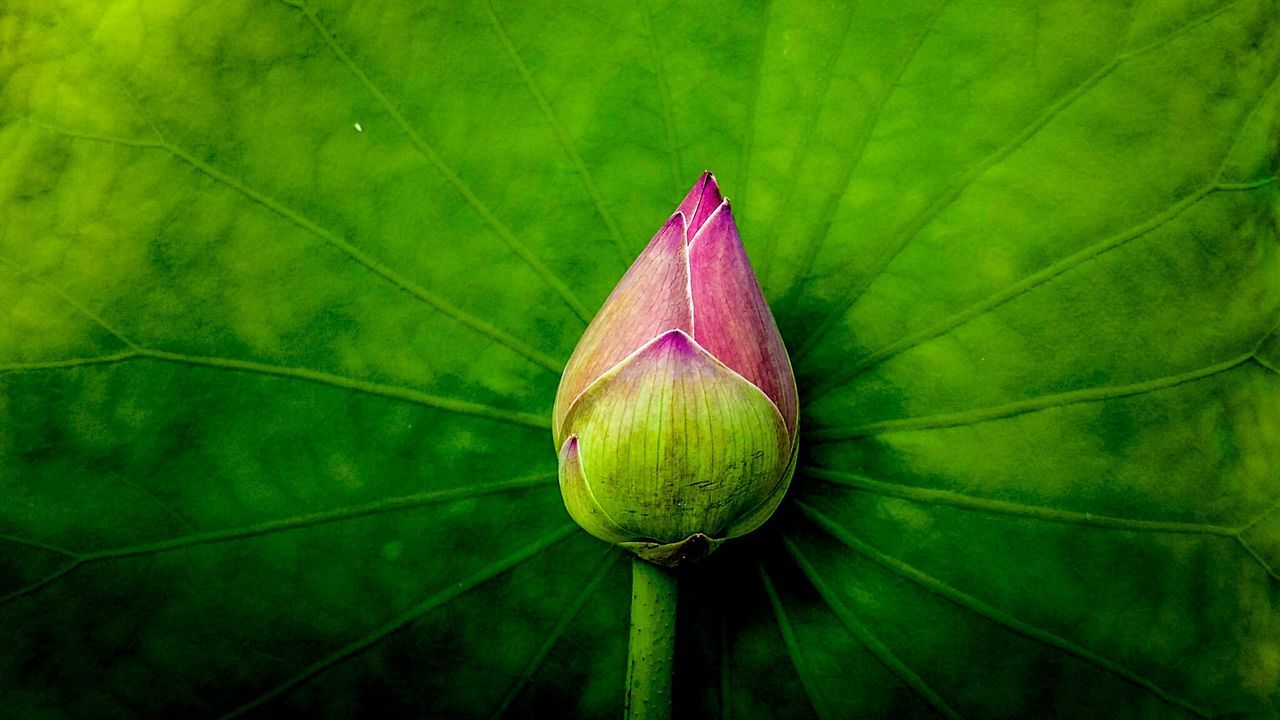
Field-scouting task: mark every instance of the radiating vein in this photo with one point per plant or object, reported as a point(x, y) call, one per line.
point(1265, 363)
point(342, 245)
point(1217, 184)
point(136, 352)
point(392, 392)
point(297, 522)
point(824, 75)
point(865, 636)
point(75, 304)
point(1002, 507)
point(978, 309)
point(461, 407)
point(933, 496)
point(404, 619)
point(1261, 516)
point(154, 499)
point(664, 96)
point(373, 265)
point(504, 233)
point(753, 98)
point(1248, 546)
point(95, 137)
point(108, 359)
point(381, 507)
point(1043, 402)
point(995, 615)
point(562, 135)
point(793, 647)
point(38, 545)
point(1253, 552)
point(949, 195)
point(571, 610)
point(43, 582)
point(832, 205)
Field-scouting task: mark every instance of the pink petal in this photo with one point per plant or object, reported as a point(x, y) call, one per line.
point(651, 298)
point(702, 200)
point(730, 317)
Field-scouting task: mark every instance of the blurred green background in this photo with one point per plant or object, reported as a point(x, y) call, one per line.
point(285, 288)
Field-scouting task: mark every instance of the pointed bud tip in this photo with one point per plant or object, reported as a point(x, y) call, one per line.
point(718, 221)
point(702, 200)
point(675, 341)
point(710, 183)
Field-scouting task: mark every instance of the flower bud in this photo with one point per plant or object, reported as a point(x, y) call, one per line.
point(676, 415)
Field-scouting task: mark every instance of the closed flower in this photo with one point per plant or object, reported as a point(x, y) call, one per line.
point(676, 415)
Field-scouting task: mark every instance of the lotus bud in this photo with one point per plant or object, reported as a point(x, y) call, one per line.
point(676, 415)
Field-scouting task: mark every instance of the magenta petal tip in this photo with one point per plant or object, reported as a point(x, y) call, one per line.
point(701, 201)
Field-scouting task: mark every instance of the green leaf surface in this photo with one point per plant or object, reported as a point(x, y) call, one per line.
point(285, 289)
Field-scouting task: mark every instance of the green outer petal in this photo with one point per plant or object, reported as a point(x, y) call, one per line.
point(675, 443)
point(765, 510)
point(580, 502)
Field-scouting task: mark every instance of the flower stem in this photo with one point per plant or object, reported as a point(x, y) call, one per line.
point(651, 652)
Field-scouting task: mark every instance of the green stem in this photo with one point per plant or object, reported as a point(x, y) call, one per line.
point(651, 652)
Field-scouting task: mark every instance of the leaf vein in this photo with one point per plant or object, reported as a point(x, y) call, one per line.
point(403, 620)
point(825, 75)
point(983, 609)
point(19, 540)
point(437, 160)
point(392, 392)
point(1009, 293)
point(978, 170)
point(70, 362)
point(1266, 364)
point(793, 647)
point(965, 501)
point(664, 96)
point(33, 587)
point(1062, 266)
point(62, 294)
point(1253, 552)
point(1019, 407)
point(832, 204)
point(327, 517)
point(864, 635)
point(360, 257)
point(448, 404)
point(753, 98)
point(562, 135)
point(571, 611)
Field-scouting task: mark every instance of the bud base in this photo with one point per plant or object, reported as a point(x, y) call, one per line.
point(694, 547)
